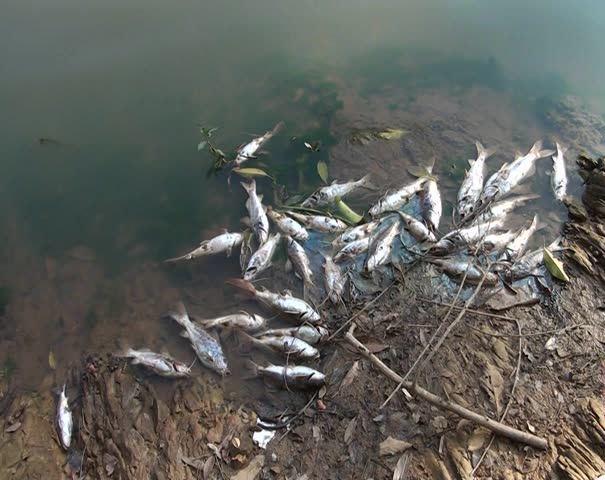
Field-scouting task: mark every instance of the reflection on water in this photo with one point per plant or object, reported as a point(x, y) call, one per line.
point(117, 92)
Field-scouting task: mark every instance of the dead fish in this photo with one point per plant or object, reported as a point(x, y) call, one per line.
point(328, 195)
point(207, 348)
point(528, 263)
point(258, 217)
point(300, 261)
point(249, 150)
point(159, 363)
point(558, 179)
point(225, 242)
point(287, 225)
point(515, 248)
point(352, 249)
point(246, 250)
point(261, 259)
point(430, 202)
point(290, 346)
point(284, 302)
point(64, 420)
point(334, 280)
point(320, 223)
point(396, 199)
point(292, 376)
point(380, 248)
point(472, 185)
point(417, 229)
point(503, 208)
point(497, 241)
point(458, 268)
point(309, 333)
point(461, 237)
point(355, 233)
point(249, 322)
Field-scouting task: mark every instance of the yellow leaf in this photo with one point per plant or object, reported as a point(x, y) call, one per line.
point(554, 266)
point(51, 360)
point(322, 170)
point(346, 212)
point(392, 134)
point(250, 172)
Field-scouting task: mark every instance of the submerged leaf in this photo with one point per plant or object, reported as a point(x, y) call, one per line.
point(201, 145)
point(346, 212)
point(392, 134)
point(322, 170)
point(51, 360)
point(554, 266)
point(251, 172)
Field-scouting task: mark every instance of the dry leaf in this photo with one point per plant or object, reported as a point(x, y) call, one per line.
point(350, 430)
point(375, 347)
point(551, 343)
point(391, 446)
point(215, 434)
point(252, 470)
point(13, 428)
point(496, 383)
point(208, 467)
point(479, 438)
point(350, 376)
point(51, 360)
point(401, 467)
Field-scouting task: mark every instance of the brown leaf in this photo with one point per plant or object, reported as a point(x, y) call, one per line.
point(401, 467)
point(375, 347)
point(252, 470)
point(208, 467)
point(196, 463)
point(215, 434)
point(350, 376)
point(391, 446)
point(496, 383)
point(13, 428)
point(350, 430)
point(479, 438)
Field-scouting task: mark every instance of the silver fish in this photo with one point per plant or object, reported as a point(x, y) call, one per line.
point(290, 346)
point(287, 225)
point(64, 420)
point(503, 208)
point(528, 263)
point(293, 376)
point(458, 268)
point(396, 199)
point(515, 248)
point(352, 249)
point(249, 322)
point(284, 302)
point(334, 280)
point(207, 348)
point(261, 259)
point(225, 242)
point(355, 233)
point(249, 150)
point(417, 229)
point(497, 241)
point(159, 363)
point(327, 195)
point(430, 202)
point(309, 333)
point(258, 218)
point(246, 250)
point(320, 223)
point(558, 178)
point(472, 185)
point(379, 251)
point(300, 261)
point(471, 235)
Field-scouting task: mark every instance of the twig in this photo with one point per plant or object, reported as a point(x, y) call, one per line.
point(484, 421)
point(508, 403)
point(356, 314)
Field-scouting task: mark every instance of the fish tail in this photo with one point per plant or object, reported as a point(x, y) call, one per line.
point(484, 152)
point(179, 314)
point(366, 182)
point(249, 186)
point(277, 128)
point(537, 151)
point(555, 245)
point(561, 149)
point(244, 285)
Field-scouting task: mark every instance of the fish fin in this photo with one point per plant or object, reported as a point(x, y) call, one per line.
point(249, 186)
point(246, 221)
point(482, 151)
point(545, 153)
point(471, 162)
point(561, 149)
point(536, 147)
point(277, 128)
point(183, 334)
point(179, 314)
point(244, 285)
point(537, 151)
point(224, 230)
point(177, 259)
point(518, 154)
point(556, 245)
point(288, 266)
point(366, 182)
point(260, 197)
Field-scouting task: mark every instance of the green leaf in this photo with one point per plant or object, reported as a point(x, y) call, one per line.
point(391, 134)
point(347, 213)
point(251, 172)
point(51, 360)
point(554, 266)
point(322, 170)
point(201, 145)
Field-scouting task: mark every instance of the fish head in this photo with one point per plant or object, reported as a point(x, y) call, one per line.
point(250, 272)
point(218, 364)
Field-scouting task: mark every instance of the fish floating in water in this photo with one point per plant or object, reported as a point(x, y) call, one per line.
point(261, 259)
point(250, 150)
point(258, 216)
point(207, 348)
point(288, 226)
point(329, 194)
point(558, 178)
point(160, 363)
point(223, 243)
point(64, 420)
point(472, 185)
point(292, 376)
point(249, 322)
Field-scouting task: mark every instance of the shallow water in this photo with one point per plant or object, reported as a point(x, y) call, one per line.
point(102, 104)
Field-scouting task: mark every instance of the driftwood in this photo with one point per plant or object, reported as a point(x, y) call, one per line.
point(415, 390)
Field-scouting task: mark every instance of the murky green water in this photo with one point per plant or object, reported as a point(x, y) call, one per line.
point(102, 104)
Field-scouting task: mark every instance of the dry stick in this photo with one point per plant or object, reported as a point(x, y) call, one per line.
point(484, 421)
point(510, 398)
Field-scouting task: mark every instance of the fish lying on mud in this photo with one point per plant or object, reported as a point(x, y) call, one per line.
point(531, 261)
point(292, 376)
point(396, 199)
point(416, 228)
point(458, 268)
point(248, 322)
point(430, 203)
point(355, 233)
point(300, 261)
point(290, 346)
point(261, 259)
point(258, 217)
point(250, 149)
point(329, 194)
point(309, 333)
point(472, 185)
point(225, 242)
point(379, 251)
point(64, 420)
point(352, 249)
point(464, 237)
point(320, 223)
point(334, 280)
point(160, 363)
point(558, 179)
point(284, 302)
point(207, 348)
point(515, 248)
point(288, 226)
point(497, 241)
point(502, 208)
